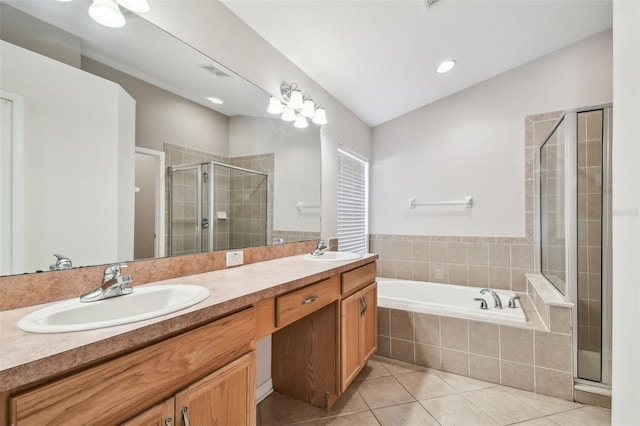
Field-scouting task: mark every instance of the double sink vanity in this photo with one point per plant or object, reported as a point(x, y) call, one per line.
point(197, 365)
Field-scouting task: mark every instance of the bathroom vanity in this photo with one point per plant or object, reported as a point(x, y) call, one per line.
point(198, 365)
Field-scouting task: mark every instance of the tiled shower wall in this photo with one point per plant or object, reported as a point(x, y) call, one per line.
point(589, 230)
point(245, 228)
point(184, 241)
point(248, 209)
point(494, 262)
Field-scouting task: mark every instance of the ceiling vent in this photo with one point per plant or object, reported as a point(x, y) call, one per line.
point(213, 70)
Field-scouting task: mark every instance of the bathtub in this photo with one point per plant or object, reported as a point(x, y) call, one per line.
point(446, 299)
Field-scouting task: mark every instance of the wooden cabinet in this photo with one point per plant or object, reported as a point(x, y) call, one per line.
point(117, 390)
point(225, 397)
point(358, 337)
point(162, 414)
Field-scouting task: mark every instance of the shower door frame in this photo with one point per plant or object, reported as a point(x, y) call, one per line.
point(606, 259)
point(185, 167)
point(569, 120)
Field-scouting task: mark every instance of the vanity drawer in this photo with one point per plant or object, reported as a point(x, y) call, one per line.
point(300, 303)
point(353, 280)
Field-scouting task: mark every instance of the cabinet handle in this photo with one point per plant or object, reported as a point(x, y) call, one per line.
point(310, 300)
point(185, 417)
point(167, 421)
point(363, 306)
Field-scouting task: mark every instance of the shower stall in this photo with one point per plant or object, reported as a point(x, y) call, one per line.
point(573, 170)
point(215, 206)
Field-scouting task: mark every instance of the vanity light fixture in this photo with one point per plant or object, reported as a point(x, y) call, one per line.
point(300, 122)
point(296, 106)
point(289, 114)
point(107, 12)
point(446, 66)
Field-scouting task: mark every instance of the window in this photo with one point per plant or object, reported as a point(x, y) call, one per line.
point(353, 193)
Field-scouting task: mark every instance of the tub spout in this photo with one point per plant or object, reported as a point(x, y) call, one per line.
point(496, 298)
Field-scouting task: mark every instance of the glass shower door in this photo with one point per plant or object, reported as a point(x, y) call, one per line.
point(185, 217)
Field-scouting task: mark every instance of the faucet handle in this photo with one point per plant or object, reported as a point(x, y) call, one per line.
point(113, 271)
point(483, 303)
point(512, 301)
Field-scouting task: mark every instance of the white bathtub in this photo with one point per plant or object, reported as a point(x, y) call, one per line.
point(446, 299)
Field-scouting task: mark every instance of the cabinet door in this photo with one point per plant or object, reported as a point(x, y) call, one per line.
point(158, 415)
point(225, 397)
point(370, 320)
point(350, 347)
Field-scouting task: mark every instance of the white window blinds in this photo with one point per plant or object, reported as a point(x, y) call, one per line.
point(353, 193)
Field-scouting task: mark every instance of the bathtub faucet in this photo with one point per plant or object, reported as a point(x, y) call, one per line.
point(496, 298)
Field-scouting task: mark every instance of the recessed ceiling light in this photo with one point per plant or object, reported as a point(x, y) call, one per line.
point(446, 66)
point(215, 101)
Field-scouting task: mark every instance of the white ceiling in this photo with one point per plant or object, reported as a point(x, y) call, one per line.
point(379, 57)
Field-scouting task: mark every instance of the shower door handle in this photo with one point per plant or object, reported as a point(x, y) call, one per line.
point(205, 223)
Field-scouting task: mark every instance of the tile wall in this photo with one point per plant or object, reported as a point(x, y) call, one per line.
point(589, 235)
point(247, 201)
point(534, 358)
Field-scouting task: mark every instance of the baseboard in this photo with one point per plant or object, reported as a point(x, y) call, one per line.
point(264, 390)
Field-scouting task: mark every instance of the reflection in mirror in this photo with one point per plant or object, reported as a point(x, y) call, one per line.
point(101, 115)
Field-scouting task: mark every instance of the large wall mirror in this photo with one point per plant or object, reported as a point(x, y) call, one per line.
point(115, 148)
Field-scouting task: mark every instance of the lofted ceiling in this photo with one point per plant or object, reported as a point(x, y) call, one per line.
point(378, 57)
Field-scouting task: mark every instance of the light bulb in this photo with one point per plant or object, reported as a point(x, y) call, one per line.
point(288, 114)
point(446, 66)
point(308, 108)
point(275, 106)
point(300, 122)
point(138, 6)
point(295, 100)
point(320, 117)
point(107, 13)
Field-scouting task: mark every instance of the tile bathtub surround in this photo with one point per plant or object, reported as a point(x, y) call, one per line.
point(499, 263)
point(18, 291)
point(529, 358)
point(389, 392)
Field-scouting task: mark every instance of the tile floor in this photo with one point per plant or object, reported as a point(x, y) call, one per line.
point(390, 392)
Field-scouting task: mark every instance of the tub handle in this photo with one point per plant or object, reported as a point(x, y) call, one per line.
point(512, 301)
point(483, 303)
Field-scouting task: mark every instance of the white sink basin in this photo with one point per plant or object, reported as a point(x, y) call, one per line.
point(334, 256)
point(142, 304)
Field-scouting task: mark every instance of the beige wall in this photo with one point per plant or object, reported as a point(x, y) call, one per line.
point(162, 116)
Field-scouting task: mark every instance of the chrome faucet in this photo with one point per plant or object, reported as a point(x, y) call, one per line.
point(62, 262)
point(320, 248)
point(496, 298)
point(113, 284)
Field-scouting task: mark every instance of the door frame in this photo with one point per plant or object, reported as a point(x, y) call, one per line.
point(159, 156)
